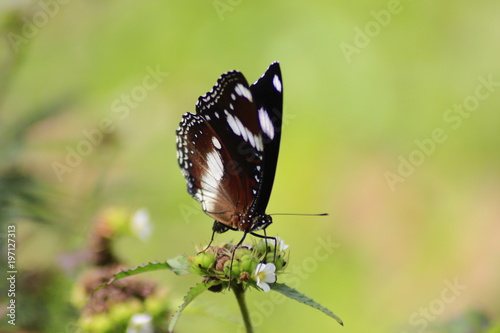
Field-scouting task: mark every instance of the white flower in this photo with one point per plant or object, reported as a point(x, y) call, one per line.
point(264, 274)
point(280, 244)
point(140, 323)
point(141, 224)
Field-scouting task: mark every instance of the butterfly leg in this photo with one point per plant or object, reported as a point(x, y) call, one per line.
point(216, 228)
point(266, 237)
point(232, 255)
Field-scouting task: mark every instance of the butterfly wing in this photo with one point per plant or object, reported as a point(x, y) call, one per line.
point(219, 149)
point(228, 150)
point(268, 99)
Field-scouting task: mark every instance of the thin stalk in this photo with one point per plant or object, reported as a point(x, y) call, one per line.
point(239, 292)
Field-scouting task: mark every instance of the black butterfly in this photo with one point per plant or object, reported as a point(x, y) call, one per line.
point(228, 150)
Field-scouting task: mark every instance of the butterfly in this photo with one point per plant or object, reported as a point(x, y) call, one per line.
point(228, 150)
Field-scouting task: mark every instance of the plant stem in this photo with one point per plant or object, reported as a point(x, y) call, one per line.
point(239, 292)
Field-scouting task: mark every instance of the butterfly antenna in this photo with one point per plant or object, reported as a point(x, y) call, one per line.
point(289, 214)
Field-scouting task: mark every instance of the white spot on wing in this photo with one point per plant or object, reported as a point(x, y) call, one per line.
point(241, 90)
point(215, 169)
point(251, 138)
point(239, 129)
point(216, 143)
point(210, 180)
point(277, 83)
point(232, 123)
point(265, 123)
point(259, 145)
point(244, 131)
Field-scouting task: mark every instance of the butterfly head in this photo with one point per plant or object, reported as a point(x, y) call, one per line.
point(260, 222)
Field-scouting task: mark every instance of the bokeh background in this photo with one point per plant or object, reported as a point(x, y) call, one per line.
point(373, 135)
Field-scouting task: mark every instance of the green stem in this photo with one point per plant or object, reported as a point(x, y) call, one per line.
point(239, 292)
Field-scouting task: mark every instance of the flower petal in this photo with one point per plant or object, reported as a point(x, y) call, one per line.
point(259, 269)
point(269, 268)
point(141, 224)
point(265, 273)
point(140, 323)
point(270, 273)
point(270, 278)
point(264, 286)
point(281, 244)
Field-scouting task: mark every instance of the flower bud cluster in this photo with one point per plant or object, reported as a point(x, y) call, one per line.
point(247, 265)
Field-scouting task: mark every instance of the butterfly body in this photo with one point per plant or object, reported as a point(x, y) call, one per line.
point(228, 150)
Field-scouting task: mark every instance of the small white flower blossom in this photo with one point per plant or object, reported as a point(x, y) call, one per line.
point(280, 244)
point(264, 274)
point(141, 224)
point(140, 323)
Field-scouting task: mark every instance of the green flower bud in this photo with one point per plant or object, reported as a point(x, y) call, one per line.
point(227, 266)
point(155, 305)
point(279, 263)
point(270, 257)
point(98, 323)
point(204, 260)
point(117, 219)
point(248, 264)
point(242, 252)
point(260, 248)
point(121, 312)
point(236, 270)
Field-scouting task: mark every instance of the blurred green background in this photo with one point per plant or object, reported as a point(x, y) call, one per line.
point(366, 84)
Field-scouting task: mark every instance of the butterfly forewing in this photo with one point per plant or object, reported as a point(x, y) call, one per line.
point(268, 95)
point(228, 150)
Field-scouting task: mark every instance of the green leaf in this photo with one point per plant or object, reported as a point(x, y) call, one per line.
point(151, 266)
point(191, 295)
point(299, 297)
point(179, 265)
